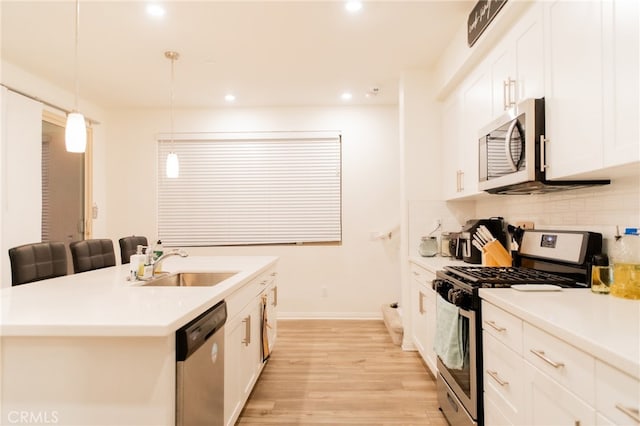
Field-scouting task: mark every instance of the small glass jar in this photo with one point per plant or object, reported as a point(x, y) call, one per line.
point(428, 246)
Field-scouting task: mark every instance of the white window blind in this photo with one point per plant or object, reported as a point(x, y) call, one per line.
point(242, 189)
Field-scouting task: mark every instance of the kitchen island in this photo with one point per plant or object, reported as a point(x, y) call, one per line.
point(96, 349)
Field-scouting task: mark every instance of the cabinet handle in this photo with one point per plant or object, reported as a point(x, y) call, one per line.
point(543, 153)
point(247, 330)
point(496, 327)
point(421, 303)
point(634, 413)
point(494, 376)
point(540, 354)
point(275, 296)
point(273, 274)
point(507, 100)
point(512, 99)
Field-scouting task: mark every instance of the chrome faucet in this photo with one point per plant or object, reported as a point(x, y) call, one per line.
point(156, 263)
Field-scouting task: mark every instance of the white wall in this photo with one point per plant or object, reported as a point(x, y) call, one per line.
point(358, 276)
point(21, 151)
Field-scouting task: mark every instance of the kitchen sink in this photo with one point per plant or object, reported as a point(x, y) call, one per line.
point(190, 279)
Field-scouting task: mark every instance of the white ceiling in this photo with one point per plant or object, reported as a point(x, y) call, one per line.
point(265, 52)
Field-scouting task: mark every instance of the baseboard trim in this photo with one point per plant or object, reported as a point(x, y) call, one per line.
point(330, 315)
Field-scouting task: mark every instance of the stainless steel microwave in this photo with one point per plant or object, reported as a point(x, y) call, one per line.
point(512, 154)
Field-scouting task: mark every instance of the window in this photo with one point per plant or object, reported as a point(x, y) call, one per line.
point(251, 188)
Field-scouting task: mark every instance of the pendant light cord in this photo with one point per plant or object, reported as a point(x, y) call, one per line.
point(173, 60)
point(77, 42)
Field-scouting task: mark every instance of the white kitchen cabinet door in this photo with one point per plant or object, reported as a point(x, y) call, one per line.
point(451, 123)
point(622, 48)
point(529, 55)
point(466, 111)
point(423, 315)
point(574, 87)
point(503, 77)
point(242, 358)
point(476, 114)
point(503, 382)
point(551, 404)
point(517, 63)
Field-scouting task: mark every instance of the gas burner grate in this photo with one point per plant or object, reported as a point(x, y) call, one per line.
point(506, 275)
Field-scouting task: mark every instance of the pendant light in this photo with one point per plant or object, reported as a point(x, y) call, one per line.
point(173, 165)
point(75, 134)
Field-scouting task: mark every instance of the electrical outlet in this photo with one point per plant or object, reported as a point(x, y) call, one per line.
point(325, 292)
point(525, 225)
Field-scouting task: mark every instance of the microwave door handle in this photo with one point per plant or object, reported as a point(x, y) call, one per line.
point(507, 145)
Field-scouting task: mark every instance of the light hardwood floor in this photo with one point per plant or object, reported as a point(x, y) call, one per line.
point(336, 372)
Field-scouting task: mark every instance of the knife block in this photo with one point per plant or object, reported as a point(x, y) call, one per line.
point(494, 254)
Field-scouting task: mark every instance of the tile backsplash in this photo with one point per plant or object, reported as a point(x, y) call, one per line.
point(597, 209)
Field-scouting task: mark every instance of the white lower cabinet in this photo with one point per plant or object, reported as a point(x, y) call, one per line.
point(503, 381)
point(244, 340)
point(423, 314)
point(617, 396)
point(533, 377)
point(549, 403)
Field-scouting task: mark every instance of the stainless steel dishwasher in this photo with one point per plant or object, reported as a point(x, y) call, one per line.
point(200, 369)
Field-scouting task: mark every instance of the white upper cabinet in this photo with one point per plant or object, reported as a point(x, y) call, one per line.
point(464, 113)
point(622, 49)
point(582, 57)
point(574, 87)
point(517, 63)
point(450, 141)
point(591, 86)
point(513, 70)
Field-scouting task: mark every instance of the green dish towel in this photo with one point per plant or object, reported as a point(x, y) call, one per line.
point(448, 342)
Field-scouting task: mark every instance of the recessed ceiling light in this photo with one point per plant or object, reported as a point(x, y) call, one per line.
point(155, 10)
point(353, 6)
point(346, 96)
point(229, 97)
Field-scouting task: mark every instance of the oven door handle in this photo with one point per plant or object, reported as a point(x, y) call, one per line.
point(465, 313)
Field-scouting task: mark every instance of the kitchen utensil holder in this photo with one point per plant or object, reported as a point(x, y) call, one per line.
point(494, 254)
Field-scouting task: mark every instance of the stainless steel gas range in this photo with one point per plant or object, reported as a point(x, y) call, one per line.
point(560, 258)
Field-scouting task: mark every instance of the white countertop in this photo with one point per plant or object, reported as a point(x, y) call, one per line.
point(103, 303)
point(604, 326)
point(436, 263)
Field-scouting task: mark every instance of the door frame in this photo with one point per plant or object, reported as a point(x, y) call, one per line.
point(60, 120)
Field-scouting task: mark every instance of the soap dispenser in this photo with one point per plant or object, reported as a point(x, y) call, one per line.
point(136, 264)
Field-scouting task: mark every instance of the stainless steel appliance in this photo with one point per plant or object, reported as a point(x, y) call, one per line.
point(512, 154)
point(564, 253)
point(495, 225)
point(200, 369)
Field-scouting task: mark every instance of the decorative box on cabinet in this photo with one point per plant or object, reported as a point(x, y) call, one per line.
point(423, 314)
